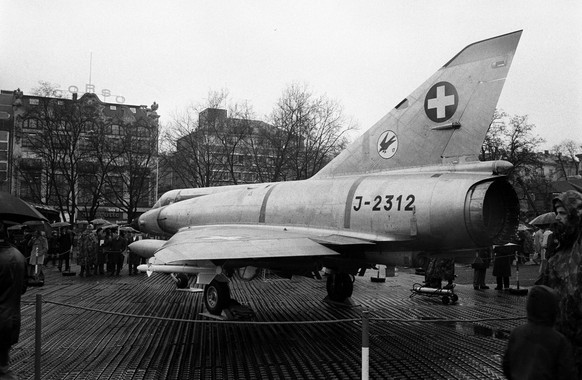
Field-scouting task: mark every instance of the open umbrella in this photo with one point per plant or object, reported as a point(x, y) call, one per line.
point(99, 221)
point(40, 225)
point(547, 218)
point(60, 224)
point(16, 227)
point(16, 210)
point(128, 229)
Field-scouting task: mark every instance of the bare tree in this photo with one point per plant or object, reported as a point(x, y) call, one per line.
point(566, 152)
point(229, 145)
point(128, 159)
point(193, 162)
point(56, 138)
point(47, 89)
point(231, 135)
point(310, 132)
point(511, 138)
point(94, 173)
point(208, 144)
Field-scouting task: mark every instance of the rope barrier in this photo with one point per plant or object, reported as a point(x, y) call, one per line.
point(438, 320)
point(392, 320)
point(201, 320)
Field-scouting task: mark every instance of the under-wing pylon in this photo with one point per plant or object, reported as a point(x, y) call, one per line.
point(412, 182)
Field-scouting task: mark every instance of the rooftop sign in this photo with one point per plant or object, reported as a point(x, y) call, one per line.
point(90, 88)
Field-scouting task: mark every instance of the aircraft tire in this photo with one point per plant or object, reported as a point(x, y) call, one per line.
point(340, 286)
point(216, 296)
point(446, 300)
point(181, 281)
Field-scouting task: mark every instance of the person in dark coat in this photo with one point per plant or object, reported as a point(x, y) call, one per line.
point(117, 245)
point(439, 269)
point(66, 241)
point(100, 268)
point(133, 260)
point(536, 350)
point(480, 265)
point(88, 245)
point(53, 249)
point(504, 255)
point(38, 251)
point(564, 269)
point(13, 281)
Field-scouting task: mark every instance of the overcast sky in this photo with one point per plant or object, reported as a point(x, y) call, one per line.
point(368, 55)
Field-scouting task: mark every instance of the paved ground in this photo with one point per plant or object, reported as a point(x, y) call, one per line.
point(91, 330)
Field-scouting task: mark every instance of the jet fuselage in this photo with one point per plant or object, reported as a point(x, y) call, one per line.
point(412, 211)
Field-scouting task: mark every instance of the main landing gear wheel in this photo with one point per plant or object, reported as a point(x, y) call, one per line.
point(340, 286)
point(216, 296)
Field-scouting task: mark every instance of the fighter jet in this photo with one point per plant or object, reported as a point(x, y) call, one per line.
point(410, 183)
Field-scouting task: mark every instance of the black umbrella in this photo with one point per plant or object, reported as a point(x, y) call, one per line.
point(39, 225)
point(543, 219)
point(99, 221)
point(16, 210)
point(60, 224)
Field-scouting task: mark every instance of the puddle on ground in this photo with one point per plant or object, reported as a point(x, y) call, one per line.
point(478, 330)
point(468, 328)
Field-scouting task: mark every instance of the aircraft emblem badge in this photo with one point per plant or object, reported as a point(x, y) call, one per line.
point(387, 144)
point(441, 101)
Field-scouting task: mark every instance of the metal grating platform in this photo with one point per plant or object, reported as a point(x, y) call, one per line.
point(86, 344)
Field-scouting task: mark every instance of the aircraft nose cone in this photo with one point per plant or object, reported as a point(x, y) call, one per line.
point(148, 222)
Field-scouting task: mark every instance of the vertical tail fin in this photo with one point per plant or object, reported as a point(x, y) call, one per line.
point(444, 119)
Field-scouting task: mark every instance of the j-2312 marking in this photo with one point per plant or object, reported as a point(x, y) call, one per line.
point(386, 202)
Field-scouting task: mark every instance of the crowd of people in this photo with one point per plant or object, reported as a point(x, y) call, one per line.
point(97, 251)
point(25, 255)
point(550, 345)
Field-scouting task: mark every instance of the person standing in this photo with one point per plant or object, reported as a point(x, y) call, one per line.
point(39, 248)
point(117, 245)
point(439, 269)
point(537, 244)
point(526, 243)
point(564, 269)
point(100, 269)
point(65, 245)
point(536, 350)
point(87, 251)
point(504, 255)
point(546, 248)
point(133, 259)
point(13, 281)
point(480, 265)
point(52, 249)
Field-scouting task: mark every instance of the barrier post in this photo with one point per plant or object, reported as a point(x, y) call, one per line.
point(37, 341)
point(365, 345)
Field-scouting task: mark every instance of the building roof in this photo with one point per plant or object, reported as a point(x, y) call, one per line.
point(571, 184)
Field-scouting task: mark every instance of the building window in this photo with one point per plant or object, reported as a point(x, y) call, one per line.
point(113, 108)
point(4, 136)
point(3, 171)
point(33, 102)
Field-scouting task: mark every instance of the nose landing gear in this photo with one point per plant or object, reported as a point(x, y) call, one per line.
point(216, 297)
